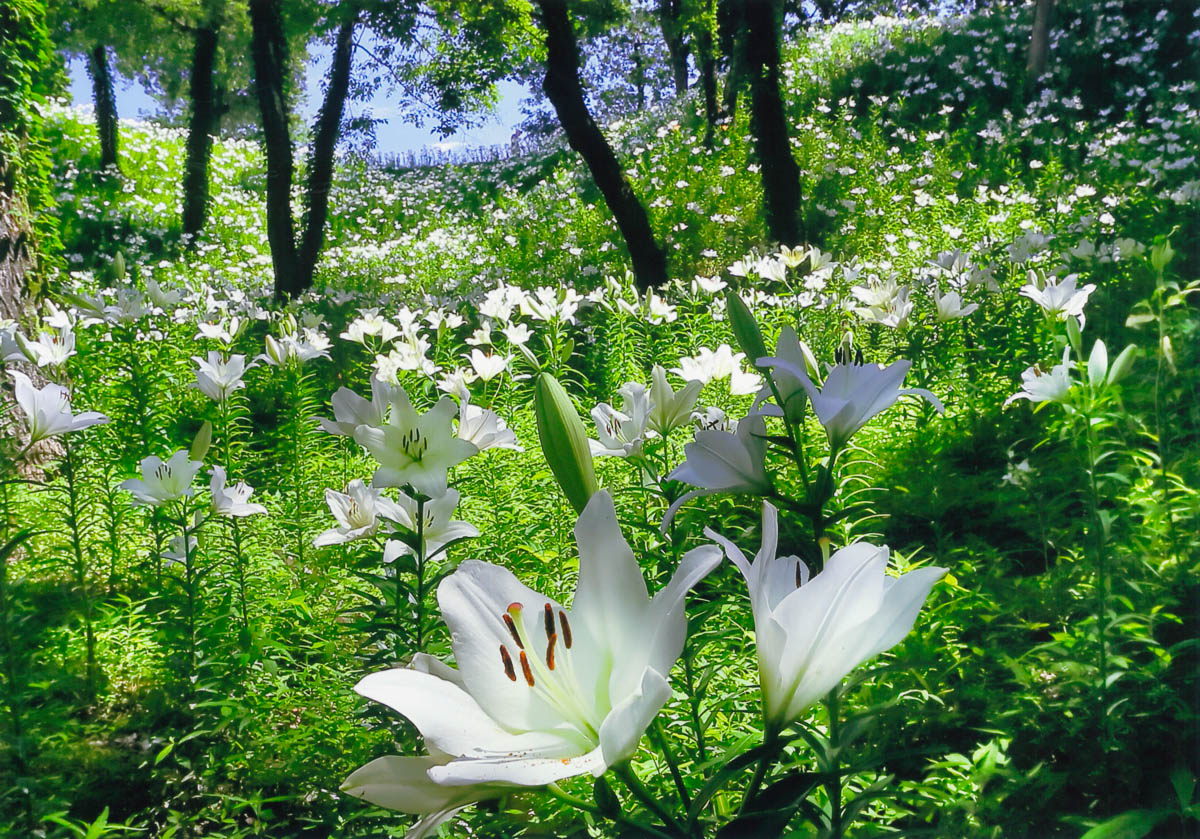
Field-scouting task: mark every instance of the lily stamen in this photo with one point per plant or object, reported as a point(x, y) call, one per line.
point(508, 665)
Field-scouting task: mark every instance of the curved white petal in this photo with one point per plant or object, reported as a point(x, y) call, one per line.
point(624, 726)
point(522, 771)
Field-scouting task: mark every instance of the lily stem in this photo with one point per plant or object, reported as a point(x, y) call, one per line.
point(660, 738)
point(833, 786)
point(770, 736)
point(626, 774)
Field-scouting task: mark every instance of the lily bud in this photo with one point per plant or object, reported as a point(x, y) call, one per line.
point(1075, 337)
point(1097, 366)
point(1123, 364)
point(1161, 253)
point(564, 441)
point(201, 442)
point(745, 327)
point(275, 351)
point(118, 267)
point(289, 324)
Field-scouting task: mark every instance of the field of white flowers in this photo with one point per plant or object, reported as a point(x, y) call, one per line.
point(893, 534)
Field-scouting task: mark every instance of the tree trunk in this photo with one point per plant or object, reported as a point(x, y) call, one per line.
point(639, 75)
point(669, 13)
point(736, 73)
point(1039, 41)
point(320, 166)
point(203, 124)
point(780, 174)
point(268, 49)
point(563, 89)
point(708, 80)
point(105, 103)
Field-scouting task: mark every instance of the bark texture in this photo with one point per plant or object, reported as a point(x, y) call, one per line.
point(768, 121)
point(706, 54)
point(203, 124)
point(104, 101)
point(320, 167)
point(1039, 40)
point(670, 20)
point(563, 89)
point(268, 50)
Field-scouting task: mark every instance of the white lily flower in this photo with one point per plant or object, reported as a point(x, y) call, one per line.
point(1060, 299)
point(231, 501)
point(48, 410)
point(437, 525)
point(357, 512)
point(403, 783)
point(622, 433)
point(51, 349)
point(350, 410)
point(1037, 385)
point(10, 347)
point(670, 409)
point(544, 693)
point(485, 429)
point(218, 377)
point(414, 449)
point(811, 633)
point(949, 306)
point(163, 481)
point(723, 461)
point(853, 393)
point(488, 365)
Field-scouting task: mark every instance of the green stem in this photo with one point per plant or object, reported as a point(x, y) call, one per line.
point(80, 570)
point(770, 736)
point(626, 774)
point(419, 635)
point(694, 699)
point(190, 586)
point(1101, 585)
point(660, 739)
point(833, 784)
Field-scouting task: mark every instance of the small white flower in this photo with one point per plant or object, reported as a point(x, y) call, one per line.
point(218, 377)
point(485, 429)
point(162, 482)
point(357, 512)
point(1037, 385)
point(438, 528)
point(232, 501)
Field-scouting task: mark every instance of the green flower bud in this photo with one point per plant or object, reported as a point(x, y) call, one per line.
point(1075, 337)
point(118, 267)
point(745, 328)
point(201, 442)
point(1161, 253)
point(564, 441)
point(1123, 364)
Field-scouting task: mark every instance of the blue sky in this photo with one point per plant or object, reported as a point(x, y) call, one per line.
point(394, 137)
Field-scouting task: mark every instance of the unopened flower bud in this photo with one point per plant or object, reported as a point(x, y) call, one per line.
point(564, 441)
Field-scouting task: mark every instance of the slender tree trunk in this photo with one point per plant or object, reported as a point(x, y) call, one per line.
point(105, 103)
point(268, 49)
point(736, 74)
point(780, 174)
point(669, 14)
point(203, 124)
point(563, 89)
point(320, 166)
point(639, 75)
point(708, 79)
point(1039, 41)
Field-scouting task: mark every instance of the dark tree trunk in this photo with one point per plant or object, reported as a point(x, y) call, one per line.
point(105, 102)
point(203, 124)
point(639, 75)
point(268, 49)
point(320, 166)
point(780, 174)
point(669, 14)
point(708, 80)
point(565, 92)
point(1039, 41)
point(736, 74)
